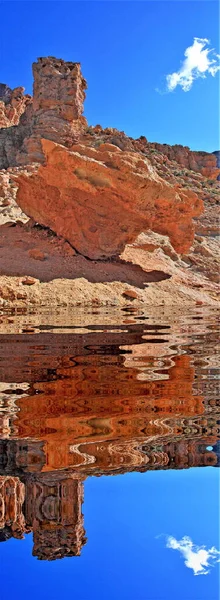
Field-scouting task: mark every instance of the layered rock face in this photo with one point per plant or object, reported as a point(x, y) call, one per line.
point(59, 93)
point(56, 113)
point(202, 162)
point(99, 200)
point(205, 163)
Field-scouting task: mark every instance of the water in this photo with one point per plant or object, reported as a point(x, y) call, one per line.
point(127, 394)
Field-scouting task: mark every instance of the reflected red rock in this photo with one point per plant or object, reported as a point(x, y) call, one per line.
point(99, 401)
point(79, 407)
point(12, 494)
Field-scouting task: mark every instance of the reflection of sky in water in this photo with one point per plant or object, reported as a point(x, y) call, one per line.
point(115, 396)
point(127, 519)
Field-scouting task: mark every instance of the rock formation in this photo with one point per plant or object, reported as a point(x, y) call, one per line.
point(12, 493)
point(58, 100)
point(217, 155)
point(104, 193)
point(56, 113)
point(13, 104)
point(99, 200)
point(202, 162)
point(108, 402)
point(205, 163)
point(54, 511)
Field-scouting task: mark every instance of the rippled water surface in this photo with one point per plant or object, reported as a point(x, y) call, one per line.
point(131, 394)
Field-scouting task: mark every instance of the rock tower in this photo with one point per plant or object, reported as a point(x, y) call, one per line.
point(55, 113)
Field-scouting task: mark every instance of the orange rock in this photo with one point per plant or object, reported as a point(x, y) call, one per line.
point(68, 250)
point(130, 295)
point(28, 280)
point(99, 209)
point(202, 162)
point(55, 112)
point(13, 103)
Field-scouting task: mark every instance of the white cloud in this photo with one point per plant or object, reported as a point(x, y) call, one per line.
point(199, 60)
point(197, 558)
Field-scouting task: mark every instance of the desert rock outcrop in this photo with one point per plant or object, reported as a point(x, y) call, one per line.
point(106, 194)
point(55, 114)
point(202, 162)
point(13, 103)
point(99, 200)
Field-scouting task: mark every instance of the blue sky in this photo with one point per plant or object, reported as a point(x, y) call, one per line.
point(126, 50)
point(127, 519)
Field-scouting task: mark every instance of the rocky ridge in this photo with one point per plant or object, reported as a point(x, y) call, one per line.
point(101, 199)
point(104, 194)
point(13, 104)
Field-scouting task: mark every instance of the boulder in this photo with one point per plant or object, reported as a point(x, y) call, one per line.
point(99, 200)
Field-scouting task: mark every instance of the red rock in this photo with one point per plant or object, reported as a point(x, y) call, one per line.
point(56, 112)
point(130, 295)
point(202, 162)
point(59, 93)
point(99, 209)
point(13, 103)
point(95, 198)
point(68, 250)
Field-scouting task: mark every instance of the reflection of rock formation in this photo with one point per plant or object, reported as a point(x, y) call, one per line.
point(50, 507)
point(85, 396)
point(94, 402)
point(84, 410)
point(21, 456)
point(53, 511)
point(8, 406)
point(49, 504)
point(12, 521)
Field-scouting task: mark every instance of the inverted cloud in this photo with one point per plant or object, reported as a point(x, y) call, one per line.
point(199, 60)
point(197, 558)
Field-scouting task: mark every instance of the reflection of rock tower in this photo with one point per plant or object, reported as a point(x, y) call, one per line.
point(49, 504)
point(21, 456)
point(53, 510)
point(12, 521)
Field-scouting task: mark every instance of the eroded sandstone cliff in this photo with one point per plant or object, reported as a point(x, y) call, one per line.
point(101, 199)
point(55, 113)
point(13, 103)
point(104, 194)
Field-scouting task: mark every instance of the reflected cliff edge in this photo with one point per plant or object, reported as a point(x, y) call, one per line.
point(138, 393)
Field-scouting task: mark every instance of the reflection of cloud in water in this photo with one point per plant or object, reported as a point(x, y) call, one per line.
point(197, 558)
